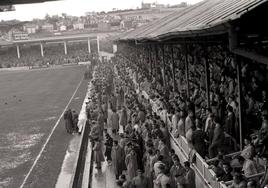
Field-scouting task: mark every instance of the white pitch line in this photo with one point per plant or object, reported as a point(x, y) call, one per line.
point(49, 136)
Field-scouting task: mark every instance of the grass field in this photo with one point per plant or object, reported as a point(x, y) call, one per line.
point(31, 102)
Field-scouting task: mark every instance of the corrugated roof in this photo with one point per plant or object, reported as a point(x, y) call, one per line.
point(202, 16)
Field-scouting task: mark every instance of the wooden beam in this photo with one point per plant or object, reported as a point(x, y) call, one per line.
point(251, 55)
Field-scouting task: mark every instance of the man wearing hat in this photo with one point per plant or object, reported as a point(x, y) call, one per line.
point(140, 181)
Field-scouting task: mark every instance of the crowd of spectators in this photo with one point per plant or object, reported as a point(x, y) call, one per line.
point(136, 139)
point(53, 55)
point(211, 131)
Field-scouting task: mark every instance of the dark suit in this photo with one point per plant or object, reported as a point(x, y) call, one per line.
point(217, 141)
point(198, 140)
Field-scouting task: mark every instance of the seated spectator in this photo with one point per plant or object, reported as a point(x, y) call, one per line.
point(238, 181)
point(249, 166)
point(227, 175)
point(252, 184)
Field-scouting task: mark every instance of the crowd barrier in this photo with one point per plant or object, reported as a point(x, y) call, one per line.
point(83, 168)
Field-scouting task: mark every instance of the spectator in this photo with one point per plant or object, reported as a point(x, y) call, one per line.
point(181, 124)
point(140, 181)
point(238, 181)
point(158, 165)
point(118, 158)
point(199, 139)
point(189, 175)
point(189, 121)
point(249, 166)
point(209, 126)
point(108, 148)
point(123, 118)
point(114, 121)
point(131, 163)
point(98, 154)
point(217, 140)
point(227, 175)
point(162, 180)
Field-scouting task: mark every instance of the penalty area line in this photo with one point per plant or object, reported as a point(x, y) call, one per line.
point(49, 136)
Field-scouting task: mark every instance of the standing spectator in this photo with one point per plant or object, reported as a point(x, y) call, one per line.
point(217, 140)
point(114, 121)
point(230, 122)
point(162, 180)
point(100, 121)
point(189, 136)
point(189, 175)
point(199, 139)
point(123, 118)
point(140, 181)
point(131, 163)
point(175, 120)
point(75, 121)
point(159, 163)
point(98, 154)
point(108, 148)
point(68, 121)
point(95, 131)
point(181, 124)
point(189, 121)
point(118, 158)
point(209, 126)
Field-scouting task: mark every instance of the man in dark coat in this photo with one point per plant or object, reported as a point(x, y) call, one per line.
point(108, 148)
point(198, 139)
point(68, 121)
point(118, 159)
point(218, 139)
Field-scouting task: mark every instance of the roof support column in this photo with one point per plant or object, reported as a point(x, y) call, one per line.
point(173, 68)
point(238, 70)
point(65, 48)
point(42, 49)
point(187, 71)
point(88, 45)
point(18, 51)
point(149, 60)
point(163, 65)
point(98, 44)
point(156, 61)
point(207, 72)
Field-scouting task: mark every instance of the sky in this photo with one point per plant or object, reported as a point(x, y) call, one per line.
point(27, 12)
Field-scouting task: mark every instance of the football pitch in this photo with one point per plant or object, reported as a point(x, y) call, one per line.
point(31, 104)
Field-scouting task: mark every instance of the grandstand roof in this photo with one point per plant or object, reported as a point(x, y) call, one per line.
point(12, 2)
point(204, 18)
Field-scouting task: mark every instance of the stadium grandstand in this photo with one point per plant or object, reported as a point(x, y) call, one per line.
point(180, 103)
